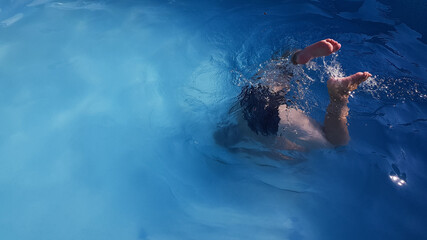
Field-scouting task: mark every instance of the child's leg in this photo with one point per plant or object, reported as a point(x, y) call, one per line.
point(335, 126)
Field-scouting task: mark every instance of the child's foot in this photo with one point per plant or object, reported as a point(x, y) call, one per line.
point(340, 88)
point(320, 49)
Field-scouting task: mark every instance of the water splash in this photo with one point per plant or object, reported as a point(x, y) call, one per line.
point(280, 73)
point(400, 89)
point(332, 68)
point(379, 87)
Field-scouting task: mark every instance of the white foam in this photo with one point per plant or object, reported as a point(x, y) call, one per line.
point(8, 22)
point(38, 2)
point(79, 5)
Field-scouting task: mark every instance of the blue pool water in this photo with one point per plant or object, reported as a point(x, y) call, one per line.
point(108, 110)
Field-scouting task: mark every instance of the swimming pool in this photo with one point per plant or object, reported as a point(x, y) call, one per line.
point(108, 110)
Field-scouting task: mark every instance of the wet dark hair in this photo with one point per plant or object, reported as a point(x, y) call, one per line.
point(260, 108)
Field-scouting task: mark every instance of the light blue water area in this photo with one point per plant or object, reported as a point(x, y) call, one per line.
point(108, 110)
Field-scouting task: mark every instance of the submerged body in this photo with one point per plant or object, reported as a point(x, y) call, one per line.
point(266, 118)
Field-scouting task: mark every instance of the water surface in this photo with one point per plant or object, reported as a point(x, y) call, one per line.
point(108, 110)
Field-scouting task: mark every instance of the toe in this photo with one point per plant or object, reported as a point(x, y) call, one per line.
point(338, 47)
point(330, 46)
point(335, 44)
point(360, 77)
point(359, 74)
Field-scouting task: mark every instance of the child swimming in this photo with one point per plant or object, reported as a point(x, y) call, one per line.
point(266, 118)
